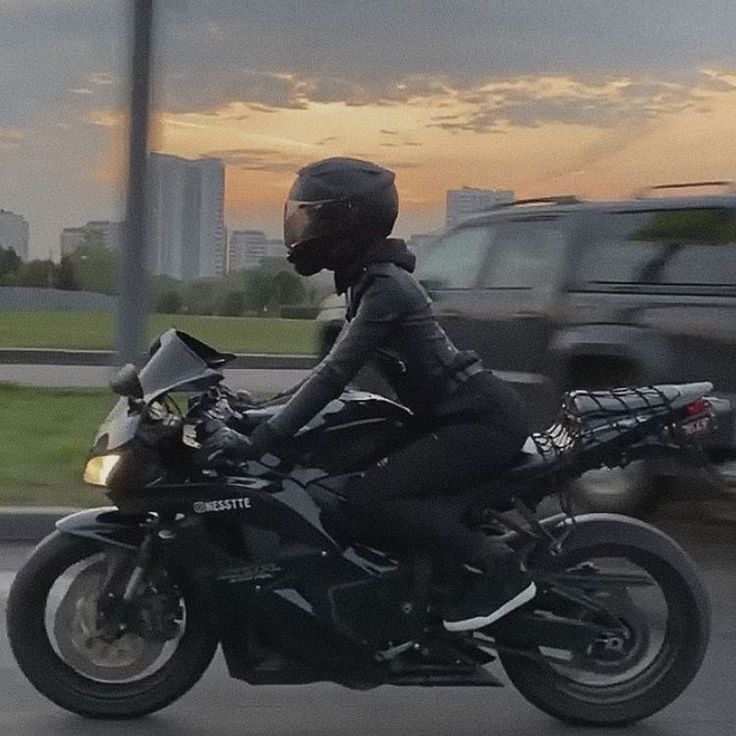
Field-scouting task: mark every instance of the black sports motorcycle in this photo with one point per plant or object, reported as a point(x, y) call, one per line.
point(119, 611)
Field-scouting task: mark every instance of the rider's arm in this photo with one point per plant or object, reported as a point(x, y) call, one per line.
point(376, 316)
point(280, 397)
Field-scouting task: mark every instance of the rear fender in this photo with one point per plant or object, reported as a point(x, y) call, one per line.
point(107, 526)
point(591, 530)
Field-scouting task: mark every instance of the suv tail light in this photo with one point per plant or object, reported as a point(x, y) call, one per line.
point(697, 407)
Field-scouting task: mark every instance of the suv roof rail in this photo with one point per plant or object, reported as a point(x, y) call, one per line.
point(557, 199)
point(647, 191)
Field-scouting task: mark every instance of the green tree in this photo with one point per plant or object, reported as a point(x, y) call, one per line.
point(170, 302)
point(39, 274)
point(66, 277)
point(95, 267)
point(201, 296)
point(10, 262)
point(256, 290)
point(233, 305)
point(288, 288)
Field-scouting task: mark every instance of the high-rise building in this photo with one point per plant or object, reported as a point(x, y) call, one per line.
point(109, 234)
point(71, 239)
point(248, 249)
point(462, 203)
point(186, 216)
point(14, 233)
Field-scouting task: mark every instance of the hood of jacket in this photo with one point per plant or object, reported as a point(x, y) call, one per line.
point(386, 250)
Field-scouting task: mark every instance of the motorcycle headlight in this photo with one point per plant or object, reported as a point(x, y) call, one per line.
point(99, 469)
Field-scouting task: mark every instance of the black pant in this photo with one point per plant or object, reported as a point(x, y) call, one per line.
point(417, 496)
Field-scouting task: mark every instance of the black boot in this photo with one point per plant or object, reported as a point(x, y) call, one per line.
point(501, 587)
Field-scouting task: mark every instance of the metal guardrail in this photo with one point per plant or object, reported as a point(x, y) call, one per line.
point(44, 356)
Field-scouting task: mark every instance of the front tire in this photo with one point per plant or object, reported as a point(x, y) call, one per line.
point(91, 694)
point(649, 685)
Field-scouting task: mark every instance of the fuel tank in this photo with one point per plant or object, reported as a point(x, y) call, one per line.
point(351, 432)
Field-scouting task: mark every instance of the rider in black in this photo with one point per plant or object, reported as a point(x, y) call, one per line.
point(337, 217)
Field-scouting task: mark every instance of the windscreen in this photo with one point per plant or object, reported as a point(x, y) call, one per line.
point(178, 359)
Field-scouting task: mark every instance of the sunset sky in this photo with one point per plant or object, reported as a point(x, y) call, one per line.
point(539, 96)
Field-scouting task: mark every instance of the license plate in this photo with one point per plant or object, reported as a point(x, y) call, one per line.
point(697, 426)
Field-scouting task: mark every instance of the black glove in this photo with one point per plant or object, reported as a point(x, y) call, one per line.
point(215, 443)
point(218, 443)
point(265, 438)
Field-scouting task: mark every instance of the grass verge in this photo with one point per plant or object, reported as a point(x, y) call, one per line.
point(96, 331)
point(45, 435)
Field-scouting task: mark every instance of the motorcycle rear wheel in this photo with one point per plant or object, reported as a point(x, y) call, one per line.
point(81, 686)
point(645, 692)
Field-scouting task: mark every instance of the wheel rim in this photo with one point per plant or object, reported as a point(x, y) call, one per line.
point(71, 625)
point(654, 643)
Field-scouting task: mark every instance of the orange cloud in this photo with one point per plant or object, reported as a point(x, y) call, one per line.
point(535, 135)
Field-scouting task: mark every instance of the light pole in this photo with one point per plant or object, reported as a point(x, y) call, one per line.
point(133, 296)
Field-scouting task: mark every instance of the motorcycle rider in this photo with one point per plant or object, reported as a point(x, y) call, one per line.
point(338, 216)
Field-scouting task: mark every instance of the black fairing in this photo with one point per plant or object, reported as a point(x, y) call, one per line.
point(351, 433)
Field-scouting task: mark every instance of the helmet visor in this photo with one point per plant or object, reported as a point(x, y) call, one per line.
point(307, 220)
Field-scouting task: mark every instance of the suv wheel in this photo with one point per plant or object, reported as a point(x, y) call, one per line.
point(630, 490)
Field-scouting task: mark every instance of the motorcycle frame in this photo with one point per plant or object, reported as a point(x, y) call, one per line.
point(269, 596)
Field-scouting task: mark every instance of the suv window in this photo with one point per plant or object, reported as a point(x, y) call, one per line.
point(454, 260)
point(524, 254)
point(682, 246)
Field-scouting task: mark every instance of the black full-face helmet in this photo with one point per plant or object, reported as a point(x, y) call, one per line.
point(333, 206)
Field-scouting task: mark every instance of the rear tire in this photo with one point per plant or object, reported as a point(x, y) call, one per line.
point(59, 682)
point(646, 692)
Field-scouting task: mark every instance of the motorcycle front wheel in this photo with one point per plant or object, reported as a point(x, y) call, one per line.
point(663, 618)
point(52, 623)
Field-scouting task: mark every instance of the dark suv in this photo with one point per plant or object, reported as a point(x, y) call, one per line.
point(560, 293)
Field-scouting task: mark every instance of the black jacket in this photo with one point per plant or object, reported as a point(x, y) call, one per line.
point(389, 322)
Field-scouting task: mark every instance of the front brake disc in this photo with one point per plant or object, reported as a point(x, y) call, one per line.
point(80, 642)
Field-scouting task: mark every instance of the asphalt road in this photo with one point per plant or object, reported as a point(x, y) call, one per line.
point(219, 706)
point(85, 376)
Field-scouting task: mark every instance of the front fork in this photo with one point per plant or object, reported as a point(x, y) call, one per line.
point(120, 606)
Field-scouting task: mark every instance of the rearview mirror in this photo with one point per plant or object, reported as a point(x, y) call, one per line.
point(126, 383)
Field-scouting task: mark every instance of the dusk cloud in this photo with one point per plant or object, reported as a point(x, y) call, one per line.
point(11, 138)
point(416, 80)
point(256, 159)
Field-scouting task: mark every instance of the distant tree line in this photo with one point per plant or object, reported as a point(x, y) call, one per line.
point(271, 289)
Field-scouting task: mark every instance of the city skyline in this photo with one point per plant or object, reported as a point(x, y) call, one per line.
point(240, 248)
point(595, 99)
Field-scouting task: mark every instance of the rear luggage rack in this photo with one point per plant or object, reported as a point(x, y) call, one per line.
point(598, 428)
